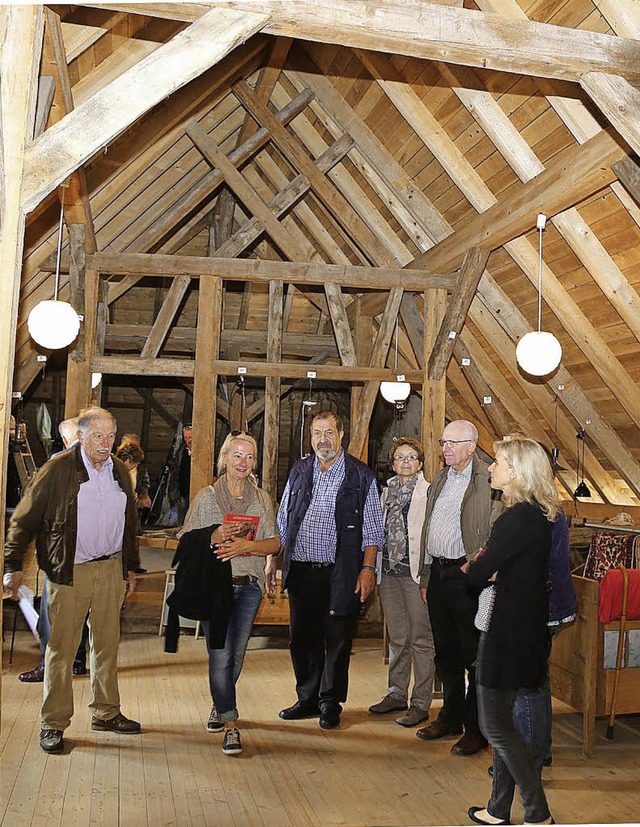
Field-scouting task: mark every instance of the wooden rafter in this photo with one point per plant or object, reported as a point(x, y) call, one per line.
point(575, 174)
point(73, 140)
point(334, 202)
point(433, 32)
point(373, 278)
point(470, 274)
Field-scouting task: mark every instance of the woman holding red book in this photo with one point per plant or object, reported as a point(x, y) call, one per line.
point(230, 506)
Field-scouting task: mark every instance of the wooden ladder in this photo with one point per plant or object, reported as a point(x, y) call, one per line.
point(22, 455)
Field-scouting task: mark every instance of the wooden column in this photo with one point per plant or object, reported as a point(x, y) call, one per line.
point(78, 388)
point(205, 383)
point(21, 28)
point(271, 432)
point(433, 390)
point(364, 335)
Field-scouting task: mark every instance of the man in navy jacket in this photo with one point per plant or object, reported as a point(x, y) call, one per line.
point(330, 522)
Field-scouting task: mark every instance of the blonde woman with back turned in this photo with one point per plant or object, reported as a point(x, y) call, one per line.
point(512, 618)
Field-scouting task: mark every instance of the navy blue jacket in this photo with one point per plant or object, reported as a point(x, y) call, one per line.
point(350, 502)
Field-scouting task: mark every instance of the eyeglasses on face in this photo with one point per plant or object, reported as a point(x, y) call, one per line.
point(408, 458)
point(443, 442)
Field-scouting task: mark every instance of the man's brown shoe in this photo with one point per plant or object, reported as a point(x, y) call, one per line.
point(51, 740)
point(116, 724)
point(469, 744)
point(33, 675)
point(436, 730)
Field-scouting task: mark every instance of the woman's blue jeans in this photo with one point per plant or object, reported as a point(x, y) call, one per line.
point(532, 717)
point(225, 664)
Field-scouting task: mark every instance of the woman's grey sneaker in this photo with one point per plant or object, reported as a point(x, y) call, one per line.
point(214, 724)
point(232, 744)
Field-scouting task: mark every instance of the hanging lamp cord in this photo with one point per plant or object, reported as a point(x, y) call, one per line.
point(59, 253)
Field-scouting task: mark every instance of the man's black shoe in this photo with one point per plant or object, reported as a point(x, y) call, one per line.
point(298, 711)
point(329, 719)
point(33, 675)
point(51, 740)
point(116, 724)
point(140, 570)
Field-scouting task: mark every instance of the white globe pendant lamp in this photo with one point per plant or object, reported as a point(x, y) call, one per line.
point(539, 353)
point(395, 392)
point(54, 324)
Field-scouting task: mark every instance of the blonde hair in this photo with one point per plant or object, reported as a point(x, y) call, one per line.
point(533, 482)
point(221, 465)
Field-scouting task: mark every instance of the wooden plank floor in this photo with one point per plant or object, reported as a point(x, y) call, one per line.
point(369, 772)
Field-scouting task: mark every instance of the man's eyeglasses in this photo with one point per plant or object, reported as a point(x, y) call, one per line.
point(410, 458)
point(443, 442)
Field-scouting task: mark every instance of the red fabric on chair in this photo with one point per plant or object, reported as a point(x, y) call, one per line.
point(610, 596)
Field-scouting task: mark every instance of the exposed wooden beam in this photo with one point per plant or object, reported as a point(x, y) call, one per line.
point(297, 272)
point(134, 365)
point(574, 174)
point(253, 341)
point(427, 220)
point(483, 392)
point(433, 32)
point(200, 192)
point(340, 322)
point(433, 390)
point(205, 384)
point(619, 101)
point(21, 28)
point(472, 269)
point(366, 401)
point(628, 171)
point(336, 204)
point(77, 137)
point(271, 430)
point(78, 383)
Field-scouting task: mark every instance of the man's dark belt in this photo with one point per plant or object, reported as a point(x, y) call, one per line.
point(445, 562)
point(323, 565)
point(242, 579)
point(104, 557)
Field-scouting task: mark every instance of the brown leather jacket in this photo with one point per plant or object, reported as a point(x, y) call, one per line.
point(48, 511)
point(480, 509)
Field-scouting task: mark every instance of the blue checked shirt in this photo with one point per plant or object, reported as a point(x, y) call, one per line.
point(317, 538)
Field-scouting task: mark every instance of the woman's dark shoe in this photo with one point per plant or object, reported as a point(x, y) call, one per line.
point(480, 815)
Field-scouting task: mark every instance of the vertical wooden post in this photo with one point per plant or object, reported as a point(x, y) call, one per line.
point(205, 383)
point(21, 28)
point(433, 390)
point(364, 337)
point(78, 388)
point(271, 430)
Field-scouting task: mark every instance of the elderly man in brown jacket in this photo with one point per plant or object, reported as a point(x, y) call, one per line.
point(81, 511)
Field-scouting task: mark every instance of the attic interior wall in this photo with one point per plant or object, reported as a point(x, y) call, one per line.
point(145, 169)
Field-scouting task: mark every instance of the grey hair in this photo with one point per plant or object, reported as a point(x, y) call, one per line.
point(87, 415)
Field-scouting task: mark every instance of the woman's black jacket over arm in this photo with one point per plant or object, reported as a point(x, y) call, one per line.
point(517, 643)
point(203, 589)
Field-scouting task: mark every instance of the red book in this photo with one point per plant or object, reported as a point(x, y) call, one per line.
point(245, 527)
